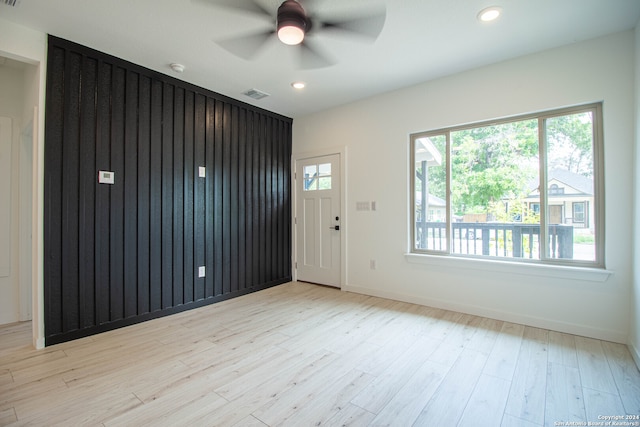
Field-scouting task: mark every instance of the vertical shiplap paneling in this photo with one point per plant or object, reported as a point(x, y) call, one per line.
point(248, 199)
point(130, 176)
point(188, 185)
point(241, 199)
point(284, 236)
point(199, 196)
point(218, 171)
point(155, 189)
point(226, 199)
point(53, 191)
point(103, 192)
point(123, 253)
point(116, 193)
point(167, 195)
point(178, 196)
point(233, 199)
point(287, 195)
point(261, 229)
point(209, 222)
point(144, 195)
point(268, 199)
point(70, 192)
point(86, 199)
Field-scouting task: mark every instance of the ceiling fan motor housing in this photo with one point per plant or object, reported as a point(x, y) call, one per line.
point(291, 14)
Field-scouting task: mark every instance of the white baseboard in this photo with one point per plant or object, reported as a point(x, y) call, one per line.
point(38, 343)
point(538, 322)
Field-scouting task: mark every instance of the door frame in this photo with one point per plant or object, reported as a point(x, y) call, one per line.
point(344, 224)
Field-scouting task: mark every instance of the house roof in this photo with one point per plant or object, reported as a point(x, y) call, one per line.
point(579, 182)
point(421, 40)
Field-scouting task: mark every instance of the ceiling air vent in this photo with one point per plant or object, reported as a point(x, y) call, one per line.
point(255, 94)
point(10, 2)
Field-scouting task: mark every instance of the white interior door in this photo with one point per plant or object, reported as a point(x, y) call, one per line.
point(318, 221)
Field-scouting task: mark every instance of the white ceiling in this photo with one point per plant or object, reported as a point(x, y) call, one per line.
point(421, 40)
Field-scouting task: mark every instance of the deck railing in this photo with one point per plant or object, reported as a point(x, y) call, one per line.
point(515, 240)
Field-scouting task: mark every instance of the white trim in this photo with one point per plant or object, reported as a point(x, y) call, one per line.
point(538, 322)
point(526, 269)
point(296, 157)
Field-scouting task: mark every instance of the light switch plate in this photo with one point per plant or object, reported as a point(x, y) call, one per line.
point(106, 177)
point(201, 271)
point(202, 171)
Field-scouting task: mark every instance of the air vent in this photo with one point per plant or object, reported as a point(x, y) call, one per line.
point(255, 94)
point(10, 2)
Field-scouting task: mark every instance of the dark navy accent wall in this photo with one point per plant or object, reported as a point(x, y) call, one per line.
point(128, 252)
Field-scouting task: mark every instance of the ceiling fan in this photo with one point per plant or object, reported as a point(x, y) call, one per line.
point(297, 24)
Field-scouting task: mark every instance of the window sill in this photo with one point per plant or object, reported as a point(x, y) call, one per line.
point(526, 269)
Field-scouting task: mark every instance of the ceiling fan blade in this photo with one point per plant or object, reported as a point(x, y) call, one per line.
point(246, 46)
point(251, 6)
point(311, 57)
point(368, 26)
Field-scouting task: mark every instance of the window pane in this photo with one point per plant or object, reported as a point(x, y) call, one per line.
point(324, 183)
point(310, 177)
point(325, 169)
point(494, 179)
point(570, 183)
point(578, 212)
point(430, 195)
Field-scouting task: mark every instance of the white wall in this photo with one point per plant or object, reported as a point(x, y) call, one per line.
point(23, 44)
point(30, 96)
point(11, 84)
point(634, 334)
point(375, 132)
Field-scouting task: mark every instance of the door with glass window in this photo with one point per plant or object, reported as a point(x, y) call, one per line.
point(318, 221)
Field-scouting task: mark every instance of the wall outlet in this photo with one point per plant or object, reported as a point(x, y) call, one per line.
point(372, 264)
point(202, 171)
point(201, 271)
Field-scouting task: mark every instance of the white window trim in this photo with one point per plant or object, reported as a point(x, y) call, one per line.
point(457, 262)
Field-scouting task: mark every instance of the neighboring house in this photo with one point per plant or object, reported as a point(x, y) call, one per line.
point(570, 198)
point(436, 208)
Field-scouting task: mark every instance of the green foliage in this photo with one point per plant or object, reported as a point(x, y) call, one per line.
point(514, 209)
point(570, 143)
point(491, 163)
point(500, 162)
point(584, 238)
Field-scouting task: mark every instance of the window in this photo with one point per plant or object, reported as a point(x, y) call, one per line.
point(554, 189)
point(535, 208)
point(485, 181)
point(317, 177)
point(578, 212)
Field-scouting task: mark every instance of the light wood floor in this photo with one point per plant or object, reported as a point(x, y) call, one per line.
point(306, 355)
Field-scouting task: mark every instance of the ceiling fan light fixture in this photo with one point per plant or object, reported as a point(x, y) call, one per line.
point(292, 22)
point(290, 35)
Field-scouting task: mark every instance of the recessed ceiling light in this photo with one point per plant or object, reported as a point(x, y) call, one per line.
point(489, 14)
point(298, 85)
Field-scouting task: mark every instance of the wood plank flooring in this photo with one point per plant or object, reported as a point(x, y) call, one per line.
point(306, 355)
